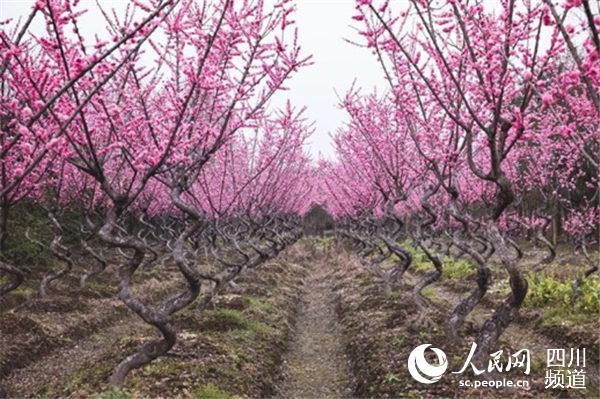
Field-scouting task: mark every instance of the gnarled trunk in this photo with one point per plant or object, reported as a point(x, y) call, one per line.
point(17, 277)
point(159, 317)
point(466, 306)
point(65, 257)
point(102, 264)
point(4, 209)
point(61, 253)
point(509, 308)
point(593, 268)
point(429, 278)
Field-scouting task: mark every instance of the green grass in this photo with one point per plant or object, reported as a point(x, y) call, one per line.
point(420, 262)
point(429, 293)
point(391, 378)
point(453, 269)
point(210, 391)
point(261, 305)
point(232, 319)
point(546, 290)
point(457, 269)
point(422, 266)
point(162, 367)
point(113, 393)
point(399, 341)
point(324, 243)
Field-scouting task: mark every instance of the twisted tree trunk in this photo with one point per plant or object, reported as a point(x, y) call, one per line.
point(159, 317)
point(160, 320)
point(394, 275)
point(94, 272)
point(61, 253)
point(466, 306)
point(435, 275)
point(429, 278)
point(541, 238)
point(593, 268)
point(4, 209)
point(507, 311)
point(17, 276)
point(16, 279)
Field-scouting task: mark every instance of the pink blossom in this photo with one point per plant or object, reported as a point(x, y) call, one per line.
point(547, 19)
point(572, 3)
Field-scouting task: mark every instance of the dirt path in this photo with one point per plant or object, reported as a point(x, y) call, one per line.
point(316, 365)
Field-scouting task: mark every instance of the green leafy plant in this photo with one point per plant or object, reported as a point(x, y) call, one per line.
point(456, 269)
point(588, 300)
point(114, 393)
point(546, 289)
point(210, 391)
point(391, 378)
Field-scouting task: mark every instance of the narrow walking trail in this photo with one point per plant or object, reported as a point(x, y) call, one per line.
point(316, 365)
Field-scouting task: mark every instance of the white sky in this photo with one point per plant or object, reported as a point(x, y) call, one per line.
point(323, 25)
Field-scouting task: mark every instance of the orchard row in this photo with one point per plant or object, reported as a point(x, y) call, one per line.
point(160, 134)
point(487, 137)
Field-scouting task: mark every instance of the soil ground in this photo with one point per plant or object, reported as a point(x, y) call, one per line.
point(312, 323)
point(233, 349)
point(381, 331)
point(316, 365)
